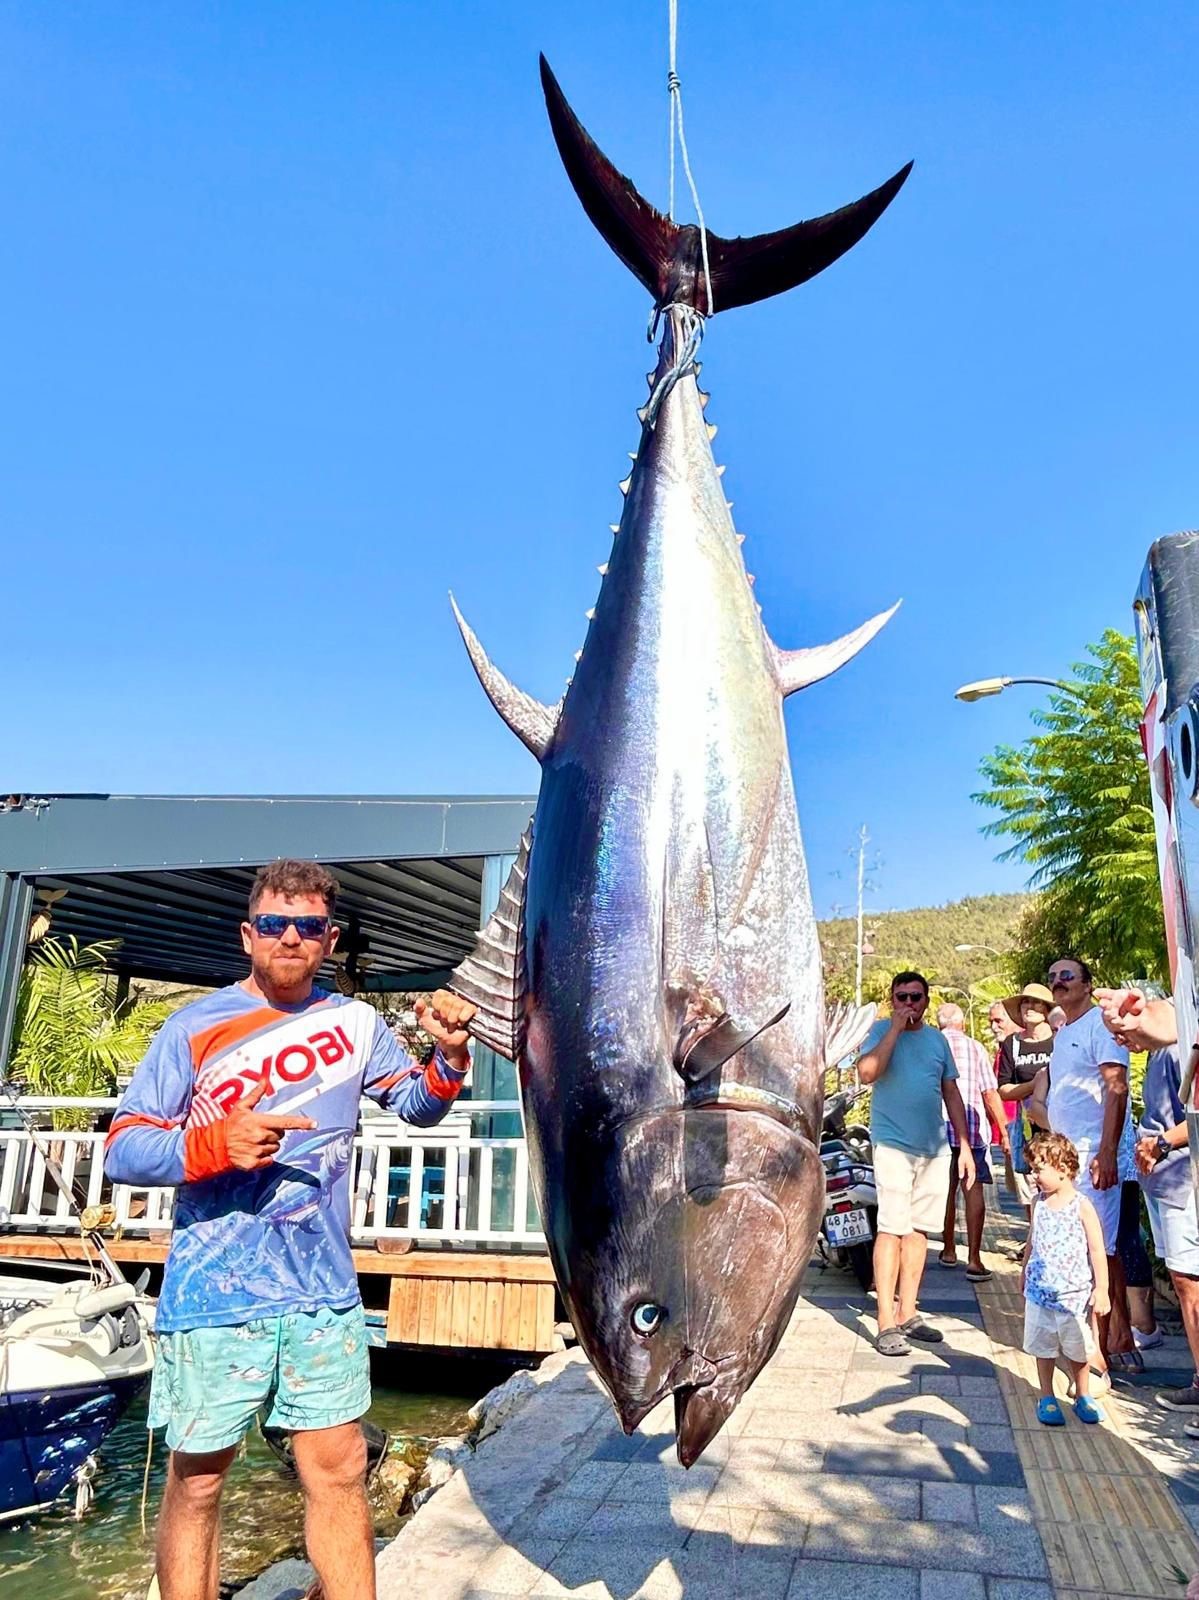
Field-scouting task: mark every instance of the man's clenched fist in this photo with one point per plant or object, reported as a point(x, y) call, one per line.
point(444, 1017)
point(252, 1138)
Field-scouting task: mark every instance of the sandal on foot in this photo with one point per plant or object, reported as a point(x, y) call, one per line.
point(1050, 1413)
point(916, 1328)
point(978, 1275)
point(891, 1342)
point(944, 1260)
point(1086, 1410)
point(1125, 1361)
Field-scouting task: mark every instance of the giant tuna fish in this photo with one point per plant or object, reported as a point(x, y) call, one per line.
point(653, 964)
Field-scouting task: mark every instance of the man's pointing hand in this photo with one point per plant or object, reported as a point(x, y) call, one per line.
point(252, 1138)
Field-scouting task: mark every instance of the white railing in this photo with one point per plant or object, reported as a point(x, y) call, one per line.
point(440, 1186)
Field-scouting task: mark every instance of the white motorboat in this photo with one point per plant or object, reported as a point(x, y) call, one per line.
point(74, 1353)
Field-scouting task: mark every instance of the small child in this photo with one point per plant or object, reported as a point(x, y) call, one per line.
point(1064, 1276)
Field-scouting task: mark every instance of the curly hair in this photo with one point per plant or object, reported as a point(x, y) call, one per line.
point(293, 879)
point(1052, 1150)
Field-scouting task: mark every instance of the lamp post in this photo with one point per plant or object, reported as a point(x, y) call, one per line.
point(962, 948)
point(983, 687)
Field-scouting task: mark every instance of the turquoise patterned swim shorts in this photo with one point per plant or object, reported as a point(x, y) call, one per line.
point(306, 1370)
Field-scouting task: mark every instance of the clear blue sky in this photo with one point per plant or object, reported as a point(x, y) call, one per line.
point(303, 326)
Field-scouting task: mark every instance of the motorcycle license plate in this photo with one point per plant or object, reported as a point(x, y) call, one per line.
point(847, 1227)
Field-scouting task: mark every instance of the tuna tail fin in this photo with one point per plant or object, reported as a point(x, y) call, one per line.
point(666, 256)
point(531, 720)
point(796, 669)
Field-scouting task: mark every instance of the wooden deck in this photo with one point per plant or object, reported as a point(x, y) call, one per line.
point(443, 1299)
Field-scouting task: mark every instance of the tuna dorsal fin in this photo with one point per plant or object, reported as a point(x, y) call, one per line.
point(704, 1046)
point(666, 257)
point(532, 722)
point(493, 976)
point(795, 669)
point(844, 1029)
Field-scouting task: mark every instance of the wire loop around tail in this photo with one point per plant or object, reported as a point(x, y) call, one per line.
point(692, 328)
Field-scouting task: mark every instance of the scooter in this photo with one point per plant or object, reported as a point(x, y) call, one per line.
point(851, 1203)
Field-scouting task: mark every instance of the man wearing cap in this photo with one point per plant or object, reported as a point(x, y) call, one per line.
point(976, 1084)
point(1022, 1055)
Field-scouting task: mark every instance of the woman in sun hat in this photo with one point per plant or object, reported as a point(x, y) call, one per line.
point(1021, 1056)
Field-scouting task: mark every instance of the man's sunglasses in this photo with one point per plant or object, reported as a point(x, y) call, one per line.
point(1062, 977)
point(914, 996)
point(269, 925)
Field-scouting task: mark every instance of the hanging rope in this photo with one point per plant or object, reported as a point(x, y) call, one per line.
point(675, 90)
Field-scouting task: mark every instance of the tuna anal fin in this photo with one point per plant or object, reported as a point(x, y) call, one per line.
point(844, 1029)
point(704, 1047)
point(493, 977)
point(532, 722)
point(795, 669)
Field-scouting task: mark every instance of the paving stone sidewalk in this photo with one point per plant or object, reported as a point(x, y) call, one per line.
point(842, 1473)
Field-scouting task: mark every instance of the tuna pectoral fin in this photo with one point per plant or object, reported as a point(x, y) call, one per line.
point(844, 1029)
point(493, 977)
point(532, 722)
point(667, 257)
point(795, 669)
point(703, 1047)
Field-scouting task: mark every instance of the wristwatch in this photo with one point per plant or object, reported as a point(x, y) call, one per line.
point(1162, 1147)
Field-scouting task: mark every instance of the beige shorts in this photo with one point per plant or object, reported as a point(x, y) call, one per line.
point(1049, 1333)
point(1020, 1184)
point(912, 1190)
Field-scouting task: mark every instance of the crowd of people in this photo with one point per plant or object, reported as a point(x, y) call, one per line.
point(1054, 1099)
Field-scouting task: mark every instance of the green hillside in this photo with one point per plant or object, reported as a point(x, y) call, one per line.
point(924, 939)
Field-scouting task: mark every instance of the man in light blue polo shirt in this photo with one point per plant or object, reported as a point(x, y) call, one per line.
point(911, 1071)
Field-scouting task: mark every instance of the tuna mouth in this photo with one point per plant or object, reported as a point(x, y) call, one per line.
point(699, 1414)
point(746, 1097)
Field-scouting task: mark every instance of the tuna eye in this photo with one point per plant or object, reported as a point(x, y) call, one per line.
point(647, 1318)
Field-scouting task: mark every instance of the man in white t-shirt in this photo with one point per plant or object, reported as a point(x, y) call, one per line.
point(1088, 1097)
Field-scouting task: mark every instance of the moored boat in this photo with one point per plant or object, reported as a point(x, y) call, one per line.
point(73, 1355)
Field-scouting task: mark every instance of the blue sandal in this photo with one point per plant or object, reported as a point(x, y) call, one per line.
point(1086, 1410)
point(1050, 1413)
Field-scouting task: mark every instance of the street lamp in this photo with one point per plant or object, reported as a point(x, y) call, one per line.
point(962, 948)
point(988, 686)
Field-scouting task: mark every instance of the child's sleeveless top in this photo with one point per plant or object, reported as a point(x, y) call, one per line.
point(1059, 1264)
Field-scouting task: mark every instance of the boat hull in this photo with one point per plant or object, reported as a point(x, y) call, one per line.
point(46, 1435)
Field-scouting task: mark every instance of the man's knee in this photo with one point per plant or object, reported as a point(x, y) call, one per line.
point(198, 1480)
point(331, 1458)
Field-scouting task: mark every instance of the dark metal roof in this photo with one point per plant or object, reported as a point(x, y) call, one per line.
point(169, 876)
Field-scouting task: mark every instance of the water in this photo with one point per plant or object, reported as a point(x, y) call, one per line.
point(107, 1557)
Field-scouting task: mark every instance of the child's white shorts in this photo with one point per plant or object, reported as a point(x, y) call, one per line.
point(1049, 1333)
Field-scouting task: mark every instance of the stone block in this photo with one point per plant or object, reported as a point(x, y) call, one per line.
point(1000, 1508)
point(940, 1432)
point(1018, 1589)
point(948, 1502)
point(593, 1478)
point(952, 1586)
point(940, 1383)
point(983, 1408)
point(842, 1580)
point(987, 1437)
point(515, 1572)
point(987, 1388)
point(652, 1483)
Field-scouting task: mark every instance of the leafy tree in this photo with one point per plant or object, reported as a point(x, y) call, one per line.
point(70, 1036)
point(1074, 802)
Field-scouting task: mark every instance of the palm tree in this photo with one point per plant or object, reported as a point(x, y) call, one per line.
point(71, 1037)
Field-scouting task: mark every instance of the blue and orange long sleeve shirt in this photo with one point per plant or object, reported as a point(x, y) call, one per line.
point(276, 1240)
